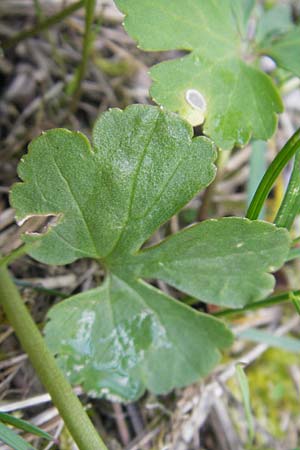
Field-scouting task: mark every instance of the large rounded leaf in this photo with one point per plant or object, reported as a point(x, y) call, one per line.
point(123, 338)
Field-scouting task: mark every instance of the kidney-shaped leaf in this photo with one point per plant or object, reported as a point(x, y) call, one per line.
point(122, 338)
point(214, 83)
point(144, 166)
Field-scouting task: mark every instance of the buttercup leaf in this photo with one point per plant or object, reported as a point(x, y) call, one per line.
point(222, 261)
point(274, 22)
point(215, 83)
point(143, 168)
point(126, 336)
point(123, 337)
point(285, 50)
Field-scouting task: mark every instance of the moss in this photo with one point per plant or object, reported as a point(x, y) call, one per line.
point(273, 393)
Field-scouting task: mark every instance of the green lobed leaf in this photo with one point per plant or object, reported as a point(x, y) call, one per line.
point(275, 21)
point(122, 338)
point(144, 166)
point(222, 261)
point(215, 83)
point(285, 50)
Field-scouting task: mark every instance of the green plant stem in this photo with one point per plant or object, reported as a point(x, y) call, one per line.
point(87, 44)
point(38, 288)
point(42, 25)
point(290, 205)
point(15, 254)
point(38, 10)
point(266, 184)
point(274, 300)
point(258, 166)
point(70, 408)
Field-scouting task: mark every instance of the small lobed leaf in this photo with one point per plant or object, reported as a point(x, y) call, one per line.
point(240, 100)
point(126, 336)
point(224, 262)
point(215, 83)
point(285, 50)
point(274, 22)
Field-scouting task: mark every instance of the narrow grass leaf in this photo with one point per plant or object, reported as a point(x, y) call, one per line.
point(257, 170)
point(290, 206)
point(294, 253)
point(296, 301)
point(25, 426)
point(287, 343)
point(245, 391)
point(266, 184)
point(8, 437)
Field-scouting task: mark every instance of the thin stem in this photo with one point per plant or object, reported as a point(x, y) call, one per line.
point(42, 25)
point(15, 254)
point(265, 186)
point(257, 169)
point(75, 87)
point(39, 288)
point(274, 300)
point(290, 205)
point(38, 10)
point(70, 408)
point(296, 302)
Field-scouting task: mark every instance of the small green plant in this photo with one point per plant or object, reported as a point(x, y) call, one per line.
point(219, 83)
point(108, 199)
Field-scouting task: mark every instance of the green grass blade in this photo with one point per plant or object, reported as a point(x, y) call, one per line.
point(257, 170)
point(265, 186)
point(25, 426)
point(245, 391)
point(293, 254)
point(296, 301)
point(287, 343)
point(290, 205)
point(8, 437)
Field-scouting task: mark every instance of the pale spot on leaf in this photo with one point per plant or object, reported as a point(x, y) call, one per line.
point(197, 107)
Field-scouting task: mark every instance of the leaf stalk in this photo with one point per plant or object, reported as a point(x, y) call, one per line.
point(75, 86)
point(271, 301)
point(67, 403)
